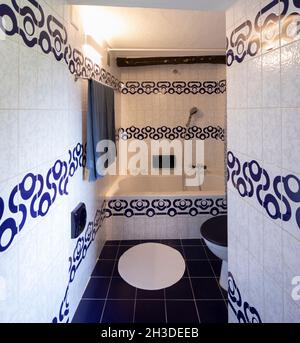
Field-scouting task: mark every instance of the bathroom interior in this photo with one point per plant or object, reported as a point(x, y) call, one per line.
point(138, 245)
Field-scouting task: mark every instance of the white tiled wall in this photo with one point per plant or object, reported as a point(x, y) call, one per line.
point(263, 125)
point(172, 110)
point(42, 112)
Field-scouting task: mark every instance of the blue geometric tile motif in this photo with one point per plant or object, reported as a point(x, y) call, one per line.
point(49, 33)
point(36, 193)
point(173, 87)
point(165, 207)
point(274, 195)
point(245, 40)
point(81, 248)
point(169, 133)
point(242, 310)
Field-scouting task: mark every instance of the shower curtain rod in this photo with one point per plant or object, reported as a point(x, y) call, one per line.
point(77, 77)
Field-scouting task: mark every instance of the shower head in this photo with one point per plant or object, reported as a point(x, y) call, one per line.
point(193, 111)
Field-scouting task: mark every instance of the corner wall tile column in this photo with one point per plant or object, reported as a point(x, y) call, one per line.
point(263, 158)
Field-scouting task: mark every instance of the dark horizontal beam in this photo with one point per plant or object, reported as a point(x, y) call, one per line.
point(150, 61)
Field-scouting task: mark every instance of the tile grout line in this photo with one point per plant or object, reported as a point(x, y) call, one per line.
point(190, 281)
point(111, 277)
point(165, 303)
point(217, 278)
point(134, 306)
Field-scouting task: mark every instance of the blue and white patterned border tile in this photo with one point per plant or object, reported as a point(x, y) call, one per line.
point(50, 34)
point(179, 132)
point(242, 310)
point(173, 87)
point(165, 207)
point(249, 38)
point(82, 246)
point(279, 195)
point(35, 194)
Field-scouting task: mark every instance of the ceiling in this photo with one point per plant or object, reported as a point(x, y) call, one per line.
point(133, 32)
point(200, 5)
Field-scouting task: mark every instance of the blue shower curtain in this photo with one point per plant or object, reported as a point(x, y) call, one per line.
point(100, 124)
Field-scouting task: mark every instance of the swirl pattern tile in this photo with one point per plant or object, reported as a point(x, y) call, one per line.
point(164, 206)
point(278, 195)
point(172, 133)
point(277, 20)
point(244, 312)
point(173, 87)
point(29, 20)
point(35, 194)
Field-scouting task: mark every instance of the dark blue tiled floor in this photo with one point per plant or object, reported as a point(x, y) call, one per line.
point(196, 298)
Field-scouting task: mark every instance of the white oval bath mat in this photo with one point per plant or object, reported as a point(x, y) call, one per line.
point(151, 266)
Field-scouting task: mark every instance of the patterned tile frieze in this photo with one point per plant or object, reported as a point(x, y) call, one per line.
point(179, 132)
point(35, 194)
point(82, 246)
point(164, 206)
point(278, 195)
point(263, 31)
point(244, 312)
point(28, 19)
point(173, 87)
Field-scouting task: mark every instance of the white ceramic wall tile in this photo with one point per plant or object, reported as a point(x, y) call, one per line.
point(271, 79)
point(28, 78)
point(256, 233)
point(256, 284)
point(272, 136)
point(290, 74)
point(254, 82)
point(291, 139)
point(9, 144)
point(273, 247)
point(273, 301)
point(9, 72)
point(255, 133)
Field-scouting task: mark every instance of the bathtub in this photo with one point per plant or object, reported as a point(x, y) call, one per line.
point(214, 184)
point(161, 207)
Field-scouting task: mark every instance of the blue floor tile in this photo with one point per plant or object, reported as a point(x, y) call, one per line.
point(103, 268)
point(122, 250)
point(206, 288)
point(200, 269)
point(195, 253)
point(97, 288)
point(216, 266)
point(171, 242)
point(130, 242)
point(181, 290)
point(212, 311)
point(118, 311)
point(112, 242)
point(88, 311)
point(181, 312)
point(211, 256)
point(150, 311)
point(192, 242)
point(109, 252)
point(154, 295)
point(119, 289)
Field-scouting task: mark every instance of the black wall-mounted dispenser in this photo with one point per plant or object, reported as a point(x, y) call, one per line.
point(78, 220)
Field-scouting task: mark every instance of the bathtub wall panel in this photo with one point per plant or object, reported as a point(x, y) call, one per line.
point(263, 141)
point(160, 217)
point(43, 132)
point(162, 96)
